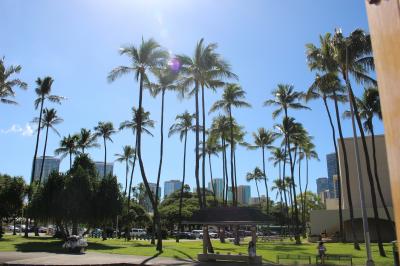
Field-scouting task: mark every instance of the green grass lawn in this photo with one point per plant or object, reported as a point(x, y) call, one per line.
point(189, 249)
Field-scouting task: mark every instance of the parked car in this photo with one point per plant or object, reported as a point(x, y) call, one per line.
point(97, 232)
point(186, 235)
point(198, 233)
point(42, 229)
point(136, 232)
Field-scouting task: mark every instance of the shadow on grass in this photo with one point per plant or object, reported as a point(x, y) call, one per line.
point(184, 254)
point(149, 259)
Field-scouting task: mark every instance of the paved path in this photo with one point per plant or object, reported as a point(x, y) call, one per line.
point(91, 258)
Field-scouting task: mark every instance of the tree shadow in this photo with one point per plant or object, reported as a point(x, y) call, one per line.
point(149, 259)
point(56, 247)
point(183, 253)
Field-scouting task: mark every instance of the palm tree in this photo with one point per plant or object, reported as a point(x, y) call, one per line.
point(220, 129)
point(7, 83)
point(205, 69)
point(49, 120)
point(212, 148)
point(369, 107)
point(256, 176)
point(184, 124)
point(322, 88)
point(68, 146)
point(147, 56)
point(104, 130)
point(288, 129)
point(86, 140)
point(166, 79)
point(127, 154)
point(322, 58)
point(132, 124)
point(263, 139)
point(43, 92)
point(233, 96)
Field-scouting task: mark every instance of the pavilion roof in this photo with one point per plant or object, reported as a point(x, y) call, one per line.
point(229, 216)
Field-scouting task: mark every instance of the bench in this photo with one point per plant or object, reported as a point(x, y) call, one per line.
point(293, 257)
point(345, 258)
point(229, 257)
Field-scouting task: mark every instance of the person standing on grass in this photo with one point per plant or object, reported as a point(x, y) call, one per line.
point(321, 251)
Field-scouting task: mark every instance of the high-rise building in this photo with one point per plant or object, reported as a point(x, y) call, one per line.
point(322, 184)
point(147, 203)
point(171, 186)
point(256, 200)
point(243, 194)
point(218, 185)
point(335, 182)
point(100, 168)
point(331, 164)
point(230, 196)
point(50, 164)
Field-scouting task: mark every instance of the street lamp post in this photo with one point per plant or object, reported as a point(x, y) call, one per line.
point(367, 239)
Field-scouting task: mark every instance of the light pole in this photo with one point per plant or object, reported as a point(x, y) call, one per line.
point(367, 239)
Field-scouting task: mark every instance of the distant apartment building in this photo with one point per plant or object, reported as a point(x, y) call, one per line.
point(243, 194)
point(171, 186)
point(256, 200)
point(50, 164)
point(218, 185)
point(322, 184)
point(100, 168)
point(331, 165)
point(146, 200)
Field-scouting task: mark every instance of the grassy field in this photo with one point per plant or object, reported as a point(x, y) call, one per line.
point(189, 249)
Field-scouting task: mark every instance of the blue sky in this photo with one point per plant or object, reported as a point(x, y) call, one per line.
point(76, 42)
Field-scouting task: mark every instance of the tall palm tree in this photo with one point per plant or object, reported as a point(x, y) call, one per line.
point(49, 120)
point(322, 58)
point(322, 88)
point(105, 130)
point(263, 139)
point(86, 140)
point(126, 156)
point(183, 124)
point(205, 69)
point(43, 93)
point(353, 55)
point(233, 96)
point(68, 146)
point(220, 129)
point(256, 176)
point(146, 57)
point(212, 148)
point(166, 79)
point(288, 129)
point(7, 82)
point(132, 124)
point(368, 108)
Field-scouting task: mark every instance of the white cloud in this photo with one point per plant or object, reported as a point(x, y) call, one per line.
point(25, 131)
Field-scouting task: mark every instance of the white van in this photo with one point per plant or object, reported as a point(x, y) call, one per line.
point(136, 232)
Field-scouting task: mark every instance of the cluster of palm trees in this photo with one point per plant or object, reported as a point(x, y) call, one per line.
point(337, 61)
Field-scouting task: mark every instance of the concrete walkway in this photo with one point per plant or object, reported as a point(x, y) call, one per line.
point(91, 258)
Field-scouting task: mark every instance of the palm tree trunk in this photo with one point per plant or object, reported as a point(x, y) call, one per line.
point(234, 202)
point(105, 157)
point(161, 159)
point(346, 170)
point(226, 173)
point(223, 170)
point(284, 185)
point(70, 159)
point(258, 192)
point(126, 175)
point(265, 179)
point(212, 180)
point(342, 235)
point(305, 196)
point(196, 170)
point(369, 172)
point(182, 187)
point(301, 196)
point(296, 210)
point(133, 169)
point(203, 166)
point(139, 151)
point(378, 184)
point(44, 156)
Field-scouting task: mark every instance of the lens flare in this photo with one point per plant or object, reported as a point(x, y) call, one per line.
point(174, 64)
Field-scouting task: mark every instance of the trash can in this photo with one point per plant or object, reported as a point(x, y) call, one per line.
point(395, 253)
